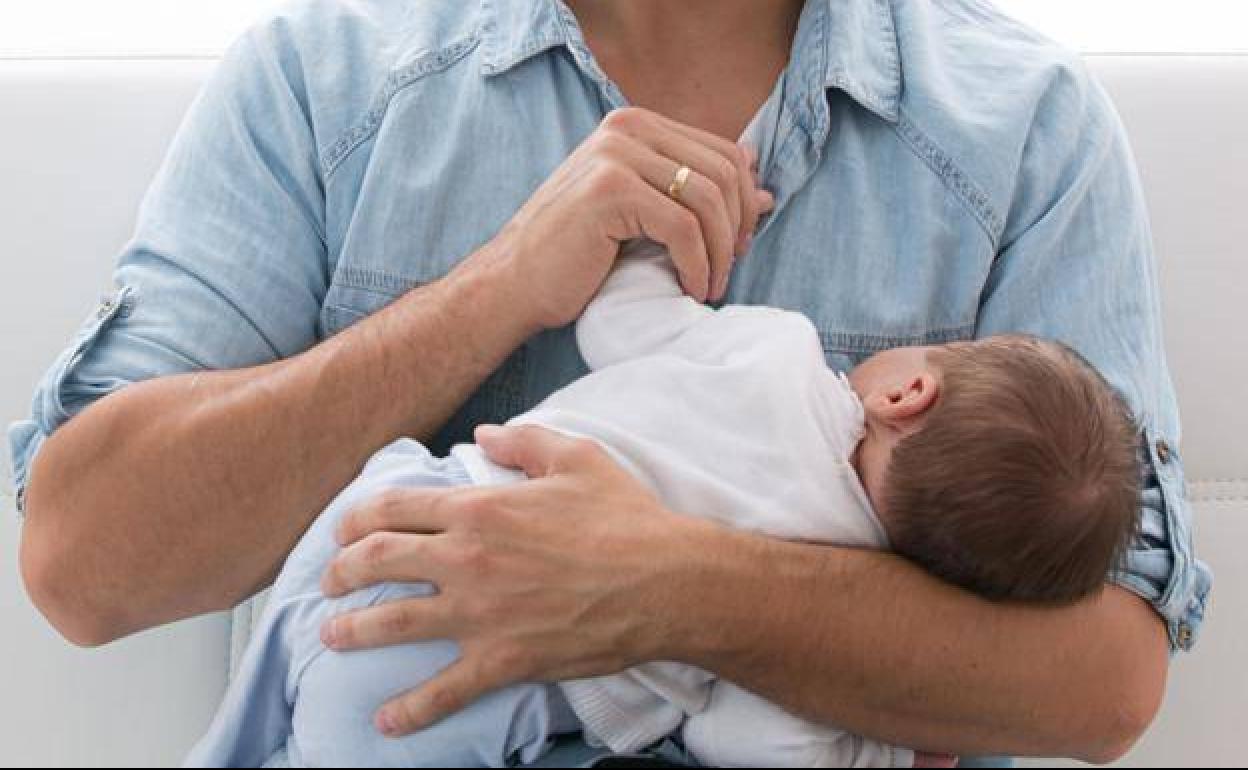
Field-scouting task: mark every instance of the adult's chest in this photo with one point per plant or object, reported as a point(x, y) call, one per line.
point(867, 241)
point(441, 177)
point(870, 244)
point(432, 190)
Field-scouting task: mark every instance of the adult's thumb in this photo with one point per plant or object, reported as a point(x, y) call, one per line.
point(531, 448)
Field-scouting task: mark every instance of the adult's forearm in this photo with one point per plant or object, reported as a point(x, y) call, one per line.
point(868, 642)
point(181, 495)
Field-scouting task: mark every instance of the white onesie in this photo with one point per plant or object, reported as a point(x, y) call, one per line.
point(731, 415)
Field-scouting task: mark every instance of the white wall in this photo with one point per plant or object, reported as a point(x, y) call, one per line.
point(205, 27)
point(76, 153)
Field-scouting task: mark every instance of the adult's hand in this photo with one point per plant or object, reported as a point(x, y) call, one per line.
point(546, 580)
point(614, 187)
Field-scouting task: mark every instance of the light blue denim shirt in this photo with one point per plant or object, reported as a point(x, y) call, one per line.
point(941, 173)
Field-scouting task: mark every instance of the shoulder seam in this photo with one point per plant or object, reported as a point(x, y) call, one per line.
point(398, 79)
point(970, 194)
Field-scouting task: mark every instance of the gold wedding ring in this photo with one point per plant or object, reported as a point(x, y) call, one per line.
point(679, 181)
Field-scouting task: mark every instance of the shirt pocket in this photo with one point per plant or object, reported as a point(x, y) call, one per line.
point(844, 349)
point(869, 280)
point(357, 293)
point(863, 306)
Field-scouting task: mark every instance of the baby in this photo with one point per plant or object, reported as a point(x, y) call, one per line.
point(1006, 466)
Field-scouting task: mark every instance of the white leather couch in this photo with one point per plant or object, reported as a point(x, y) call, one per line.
point(80, 139)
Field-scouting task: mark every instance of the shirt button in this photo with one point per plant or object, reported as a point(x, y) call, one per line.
point(1185, 635)
point(1163, 451)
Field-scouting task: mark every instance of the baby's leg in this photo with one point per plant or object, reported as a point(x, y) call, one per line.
point(338, 694)
point(318, 705)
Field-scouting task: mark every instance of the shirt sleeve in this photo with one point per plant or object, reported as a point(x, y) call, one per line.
point(227, 266)
point(1076, 263)
point(639, 310)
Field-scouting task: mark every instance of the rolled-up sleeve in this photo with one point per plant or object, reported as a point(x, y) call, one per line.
point(1075, 263)
point(227, 266)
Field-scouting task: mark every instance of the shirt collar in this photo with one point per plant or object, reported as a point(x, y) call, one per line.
point(515, 30)
point(850, 45)
point(853, 44)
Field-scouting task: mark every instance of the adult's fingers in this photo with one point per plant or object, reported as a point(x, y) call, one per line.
point(537, 451)
point(764, 201)
point(742, 161)
point(401, 621)
point(712, 160)
point(452, 690)
point(381, 557)
point(416, 509)
point(662, 136)
point(644, 211)
point(666, 220)
point(663, 220)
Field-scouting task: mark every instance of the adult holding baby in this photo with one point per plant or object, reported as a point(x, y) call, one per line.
point(937, 173)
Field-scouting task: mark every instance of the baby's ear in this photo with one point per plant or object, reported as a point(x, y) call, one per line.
point(909, 399)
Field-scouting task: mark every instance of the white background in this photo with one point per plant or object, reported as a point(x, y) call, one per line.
point(143, 701)
point(204, 27)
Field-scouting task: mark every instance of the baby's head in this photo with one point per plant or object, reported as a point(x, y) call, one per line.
point(1006, 465)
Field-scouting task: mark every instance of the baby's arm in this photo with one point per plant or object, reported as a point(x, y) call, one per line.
point(639, 309)
point(740, 729)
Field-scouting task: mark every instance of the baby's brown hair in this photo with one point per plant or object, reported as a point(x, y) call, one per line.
point(1023, 482)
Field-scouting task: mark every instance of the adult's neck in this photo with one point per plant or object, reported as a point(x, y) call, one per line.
point(689, 30)
point(709, 63)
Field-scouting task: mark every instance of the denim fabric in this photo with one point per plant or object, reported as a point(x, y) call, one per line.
point(940, 171)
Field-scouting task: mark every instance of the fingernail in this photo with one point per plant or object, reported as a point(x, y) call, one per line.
point(329, 634)
point(487, 432)
point(749, 243)
point(386, 724)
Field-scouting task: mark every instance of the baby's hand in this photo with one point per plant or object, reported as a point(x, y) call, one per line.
point(924, 759)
